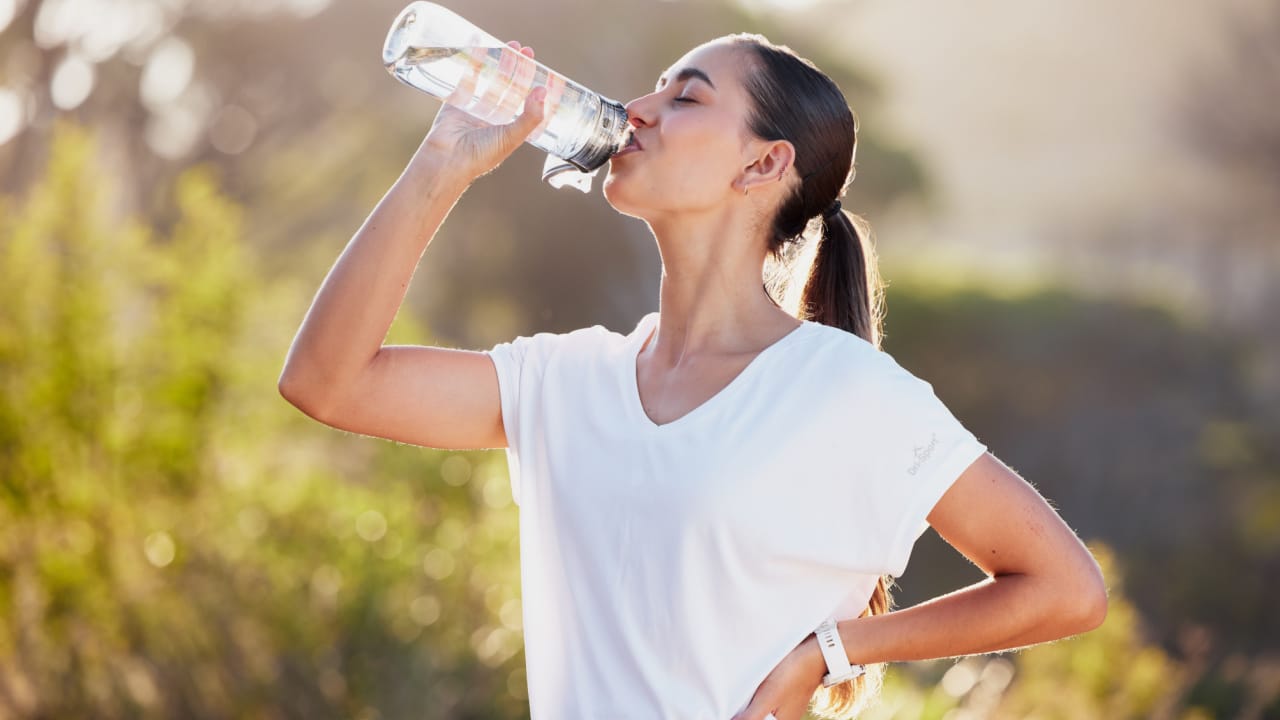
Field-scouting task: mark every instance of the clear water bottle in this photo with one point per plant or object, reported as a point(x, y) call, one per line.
point(435, 50)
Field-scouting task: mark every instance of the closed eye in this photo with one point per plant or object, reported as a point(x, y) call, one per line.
point(684, 99)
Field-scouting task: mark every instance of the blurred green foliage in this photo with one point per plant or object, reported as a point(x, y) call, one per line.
point(175, 541)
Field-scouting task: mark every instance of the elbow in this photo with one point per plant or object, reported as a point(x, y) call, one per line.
point(1089, 612)
point(291, 389)
point(1097, 603)
point(300, 394)
point(1087, 598)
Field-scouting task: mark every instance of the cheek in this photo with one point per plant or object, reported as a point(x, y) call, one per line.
point(699, 163)
point(693, 179)
point(695, 167)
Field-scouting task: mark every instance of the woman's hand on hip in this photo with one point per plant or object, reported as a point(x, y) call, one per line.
point(471, 147)
point(789, 687)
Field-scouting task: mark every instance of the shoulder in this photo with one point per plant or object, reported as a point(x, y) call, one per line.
point(848, 361)
point(547, 345)
point(833, 339)
point(845, 352)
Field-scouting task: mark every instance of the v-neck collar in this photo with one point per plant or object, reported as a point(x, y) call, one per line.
point(645, 329)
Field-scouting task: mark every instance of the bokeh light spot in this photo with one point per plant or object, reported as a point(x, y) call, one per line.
point(371, 525)
point(438, 563)
point(456, 470)
point(12, 114)
point(71, 83)
point(167, 73)
point(425, 609)
point(159, 548)
point(233, 130)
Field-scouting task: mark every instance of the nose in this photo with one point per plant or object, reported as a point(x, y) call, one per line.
point(638, 112)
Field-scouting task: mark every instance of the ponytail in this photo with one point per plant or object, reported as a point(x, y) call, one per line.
point(843, 288)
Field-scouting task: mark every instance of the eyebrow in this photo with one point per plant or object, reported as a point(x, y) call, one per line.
point(685, 74)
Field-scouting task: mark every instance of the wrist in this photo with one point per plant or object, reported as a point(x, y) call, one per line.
point(835, 658)
point(815, 664)
point(432, 172)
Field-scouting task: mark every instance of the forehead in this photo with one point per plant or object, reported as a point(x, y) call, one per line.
point(718, 61)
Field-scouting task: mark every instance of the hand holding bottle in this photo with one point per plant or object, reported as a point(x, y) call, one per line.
point(471, 147)
point(437, 51)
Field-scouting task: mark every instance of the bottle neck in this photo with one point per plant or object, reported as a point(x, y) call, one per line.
point(606, 139)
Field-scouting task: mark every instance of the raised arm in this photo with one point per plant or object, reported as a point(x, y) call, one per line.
point(338, 371)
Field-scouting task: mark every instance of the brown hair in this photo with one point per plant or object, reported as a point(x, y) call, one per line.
point(795, 101)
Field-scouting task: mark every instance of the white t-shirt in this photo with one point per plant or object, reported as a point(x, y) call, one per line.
point(667, 569)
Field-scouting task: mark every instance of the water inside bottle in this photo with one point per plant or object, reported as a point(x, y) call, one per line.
point(500, 77)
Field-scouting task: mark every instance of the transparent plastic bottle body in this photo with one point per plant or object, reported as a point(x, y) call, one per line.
point(436, 51)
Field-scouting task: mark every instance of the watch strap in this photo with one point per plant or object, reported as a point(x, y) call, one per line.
point(839, 669)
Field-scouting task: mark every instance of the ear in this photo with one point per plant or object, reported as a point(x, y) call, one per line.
point(769, 165)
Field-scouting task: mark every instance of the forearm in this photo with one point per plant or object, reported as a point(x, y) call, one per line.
point(1002, 613)
point(359, 298)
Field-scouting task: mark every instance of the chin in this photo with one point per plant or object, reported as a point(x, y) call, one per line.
point(627, 194)
point(614, 192)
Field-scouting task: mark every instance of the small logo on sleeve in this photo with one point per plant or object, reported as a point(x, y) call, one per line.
point(923, 453)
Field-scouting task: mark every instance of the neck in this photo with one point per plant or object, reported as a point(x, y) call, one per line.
point(712, 299)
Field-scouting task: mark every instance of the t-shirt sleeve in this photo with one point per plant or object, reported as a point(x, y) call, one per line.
point(536, 386)
point(521, 367)
point(918, 449)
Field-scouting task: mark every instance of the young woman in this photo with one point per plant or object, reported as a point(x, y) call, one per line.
point(701, 497)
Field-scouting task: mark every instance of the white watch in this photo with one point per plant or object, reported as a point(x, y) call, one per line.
point(838, 667)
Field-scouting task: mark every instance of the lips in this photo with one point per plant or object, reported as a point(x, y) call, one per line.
point(633, 145)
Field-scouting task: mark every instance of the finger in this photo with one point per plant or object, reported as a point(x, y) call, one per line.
point(555, 86)
point(524, 49)
point(463, 95)
point(520, 129)
point(521, 84)
point(521, 73)
point(534, 108)
point(500, 88)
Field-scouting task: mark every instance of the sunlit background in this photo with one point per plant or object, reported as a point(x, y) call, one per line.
point(1075, 206)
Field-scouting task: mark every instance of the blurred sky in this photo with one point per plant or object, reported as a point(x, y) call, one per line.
point(1046, 129)
point(1029, 114)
